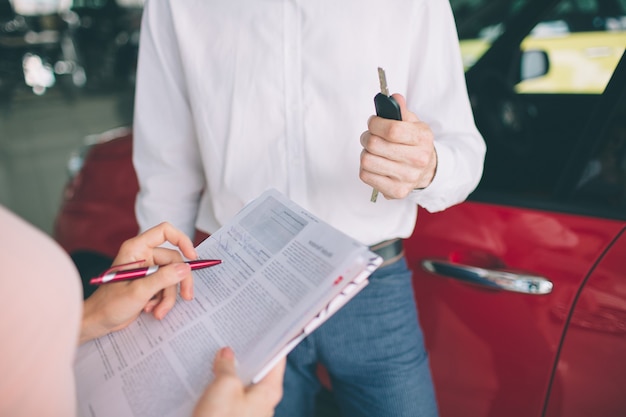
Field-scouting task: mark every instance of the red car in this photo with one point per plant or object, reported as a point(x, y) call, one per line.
point(521, 289)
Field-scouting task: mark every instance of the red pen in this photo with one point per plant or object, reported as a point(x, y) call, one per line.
point(110, 275)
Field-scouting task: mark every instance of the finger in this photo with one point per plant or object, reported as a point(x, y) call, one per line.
point(405, 132)
point(371, 146)
point(132, 251)
point(276, 375)
point(406, 114)
point(186, 288)
point(224, 363)
point(394, 180)
point(181, 240)
point(153, 302)
point(385, 160)
point(165, 277)
point(376, 146)
point(155, 237)
point(168, 300)
point(159, 289)
point(386, 131)
point(365, 138)
point(368, 171)
point(269, 390)
point(165, 256)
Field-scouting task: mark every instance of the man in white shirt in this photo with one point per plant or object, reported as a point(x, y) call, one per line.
point(234, 97)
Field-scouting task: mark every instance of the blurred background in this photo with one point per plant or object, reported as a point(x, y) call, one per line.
point(67, 74)
point(67, 71)
point(534, 69)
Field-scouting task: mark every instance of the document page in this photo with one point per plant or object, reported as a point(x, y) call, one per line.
point(283, 273)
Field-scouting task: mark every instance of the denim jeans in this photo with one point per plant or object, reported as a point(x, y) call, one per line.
point(374, 352)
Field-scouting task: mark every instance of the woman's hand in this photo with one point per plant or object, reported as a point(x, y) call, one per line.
point(114, 306)
point(226, 396)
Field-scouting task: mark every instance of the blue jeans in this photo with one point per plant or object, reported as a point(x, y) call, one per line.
point(374, 352)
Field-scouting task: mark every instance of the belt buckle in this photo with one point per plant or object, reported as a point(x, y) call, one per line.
point(390, 250)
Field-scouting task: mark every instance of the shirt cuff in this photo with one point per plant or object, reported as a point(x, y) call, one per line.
point(432, 198)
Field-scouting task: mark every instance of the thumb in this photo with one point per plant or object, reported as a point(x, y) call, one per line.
point(165, 277)
point(224, 363)
point(407, 115)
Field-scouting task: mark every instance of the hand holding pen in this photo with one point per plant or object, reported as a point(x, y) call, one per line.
point(113, 307)
point(115, 275)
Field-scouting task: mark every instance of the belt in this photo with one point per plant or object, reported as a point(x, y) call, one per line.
point(390, 250)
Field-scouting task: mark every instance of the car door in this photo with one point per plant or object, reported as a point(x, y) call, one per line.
point(590, 374)
point(492, 350)
point(505, 280)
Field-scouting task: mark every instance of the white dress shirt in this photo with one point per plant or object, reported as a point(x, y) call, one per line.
point(237, 96)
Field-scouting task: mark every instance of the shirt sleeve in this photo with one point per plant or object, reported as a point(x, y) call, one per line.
point(438, 95)
point(165, 149)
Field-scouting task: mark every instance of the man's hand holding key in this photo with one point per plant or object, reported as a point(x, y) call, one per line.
point(398, 155)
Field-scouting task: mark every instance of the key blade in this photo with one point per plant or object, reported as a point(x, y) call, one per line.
point(374, 196)
point(382, 78)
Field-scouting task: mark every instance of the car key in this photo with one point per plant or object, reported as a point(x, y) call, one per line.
point(386, 107)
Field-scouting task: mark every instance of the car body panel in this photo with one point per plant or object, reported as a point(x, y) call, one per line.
point(98, 206)
point(591, 372)
point(492, 352)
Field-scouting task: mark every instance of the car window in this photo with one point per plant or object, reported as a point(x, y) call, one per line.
point(480, 23)
point(532, 108)
point(581, 40)
point(603, 179)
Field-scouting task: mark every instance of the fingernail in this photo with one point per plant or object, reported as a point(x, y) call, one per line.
point(227, 353)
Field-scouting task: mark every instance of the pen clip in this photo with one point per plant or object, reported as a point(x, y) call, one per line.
point(117, 267)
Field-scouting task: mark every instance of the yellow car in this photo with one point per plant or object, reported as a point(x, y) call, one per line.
point(577, 62)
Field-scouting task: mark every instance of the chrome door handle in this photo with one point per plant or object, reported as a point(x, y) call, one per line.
point(502, 280)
